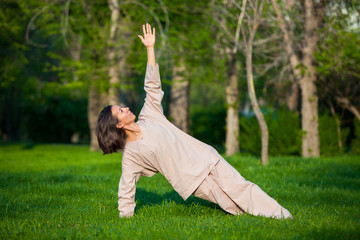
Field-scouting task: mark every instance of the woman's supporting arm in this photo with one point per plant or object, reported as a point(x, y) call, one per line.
point(149, 42)
point(127, 187)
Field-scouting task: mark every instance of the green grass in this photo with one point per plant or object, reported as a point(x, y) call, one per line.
point(62, 191)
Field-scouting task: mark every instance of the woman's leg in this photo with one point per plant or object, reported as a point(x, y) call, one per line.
point(247, 195)
point(210, 191)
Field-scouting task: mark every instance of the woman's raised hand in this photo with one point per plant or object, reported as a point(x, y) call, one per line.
point(149, 38)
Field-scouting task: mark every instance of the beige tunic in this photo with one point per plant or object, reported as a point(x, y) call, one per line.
point(183, 160)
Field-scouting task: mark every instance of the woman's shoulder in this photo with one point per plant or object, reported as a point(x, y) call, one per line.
point(128, 151)
point(128, 156)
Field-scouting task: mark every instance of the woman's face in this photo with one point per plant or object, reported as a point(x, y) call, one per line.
point(123, 115)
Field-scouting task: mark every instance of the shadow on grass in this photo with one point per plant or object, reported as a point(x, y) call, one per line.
point(146, 198)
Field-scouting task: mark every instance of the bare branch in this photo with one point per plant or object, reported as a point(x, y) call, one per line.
point(164, 37)
point(260, 11)
point(256, 5)
point(153, 14)
point(66, 21)
point(241, 16)
point(236, 4)
point(244, 36)
point(85, 7)
point(225, 12)
point(255, 21)
point(266, 40)
point(289, 43)
point(283, 71)
point(145, 7)
point(347, 104)
point(251, 4)
point(227, 33)
point(27, 33)
point(273, 64)
point(163, 7)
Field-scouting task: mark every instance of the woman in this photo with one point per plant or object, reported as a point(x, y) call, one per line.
point(153, 144)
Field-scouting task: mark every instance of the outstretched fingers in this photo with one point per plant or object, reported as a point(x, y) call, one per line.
point(144, 31)
point(148, 29)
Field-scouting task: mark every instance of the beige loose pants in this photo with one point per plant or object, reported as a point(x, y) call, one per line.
point(227, 188)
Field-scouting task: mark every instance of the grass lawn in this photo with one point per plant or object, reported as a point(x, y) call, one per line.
point(64, 191)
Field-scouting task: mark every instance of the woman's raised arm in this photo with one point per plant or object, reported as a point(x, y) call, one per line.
point(149, 42)
point(152, 83)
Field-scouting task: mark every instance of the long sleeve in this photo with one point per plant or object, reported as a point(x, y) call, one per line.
point(130, 175)
point(152, 86)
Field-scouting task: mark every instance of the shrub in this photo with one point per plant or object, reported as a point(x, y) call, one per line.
point(208, 124)
point(355, 143)
point(285, 133)
point(284, 130)
point(328, 136)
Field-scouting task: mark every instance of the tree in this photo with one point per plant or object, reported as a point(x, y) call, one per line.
point(189, 46)
point(304, 69)
point(253, 21)
point(113, 94)
point(338, 59)
point(179, 97)
point(227, 50)
point(12, 63)
point(338, 65)
point(179, 103)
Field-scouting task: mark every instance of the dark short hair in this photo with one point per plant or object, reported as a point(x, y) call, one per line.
point(111, 139)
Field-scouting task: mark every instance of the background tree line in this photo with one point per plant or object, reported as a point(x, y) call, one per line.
point(255, 76)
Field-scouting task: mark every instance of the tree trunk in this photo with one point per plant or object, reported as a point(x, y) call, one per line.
point(75, 48)
point(309, 117)
point(254, 103)
point(75, 52)
point(179, 98)
point(253, 23)
point(338, 125)
point(225, 51)
point(309, 100)
point(305, 72)
point(292, 98)
point(113, 97)
point(93, 112)
point(232, 118)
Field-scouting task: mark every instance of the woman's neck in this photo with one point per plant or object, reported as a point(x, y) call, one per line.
point(133, 132)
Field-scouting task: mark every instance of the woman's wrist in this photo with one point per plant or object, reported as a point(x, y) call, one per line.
point(151, 56)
